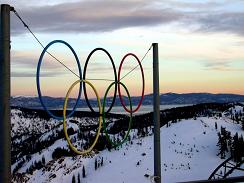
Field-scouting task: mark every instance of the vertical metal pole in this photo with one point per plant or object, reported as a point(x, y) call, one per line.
point(156, 116)
point(5, 140)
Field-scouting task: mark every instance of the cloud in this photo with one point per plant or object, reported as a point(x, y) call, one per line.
point(33, 74)
point(93, 16)
point(29, 60)
point(24, 64)
point(110, 15)
point(230, 22)
point(192, 5)
point(221, 65)
point(217, 65)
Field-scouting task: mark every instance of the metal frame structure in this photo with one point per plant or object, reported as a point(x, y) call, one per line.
point(226, 180)
point(219, 175)
point(226, 168)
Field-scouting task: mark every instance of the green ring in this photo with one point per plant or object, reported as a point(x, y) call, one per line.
point(103, 108)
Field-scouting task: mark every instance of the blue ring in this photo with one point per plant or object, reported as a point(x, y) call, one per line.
point(38, 79)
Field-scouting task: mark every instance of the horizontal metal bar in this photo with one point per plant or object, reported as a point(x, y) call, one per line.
point(219, 175)
point(231, 163)
point(242, 169)
point(230, 167)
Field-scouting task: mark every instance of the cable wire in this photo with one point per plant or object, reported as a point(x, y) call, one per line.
point(25, 25)
point(137, 64)
point(94, 79)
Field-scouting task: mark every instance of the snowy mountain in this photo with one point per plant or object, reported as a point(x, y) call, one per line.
point(165, 99)
point(188, 145)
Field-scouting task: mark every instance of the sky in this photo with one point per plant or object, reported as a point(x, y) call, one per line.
point(201, 44)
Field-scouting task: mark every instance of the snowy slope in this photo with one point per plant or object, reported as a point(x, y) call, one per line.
point(23, 124)
point(188, 148)
point(188, 153)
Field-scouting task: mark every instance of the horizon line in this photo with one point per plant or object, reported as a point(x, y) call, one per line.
point(33, 96)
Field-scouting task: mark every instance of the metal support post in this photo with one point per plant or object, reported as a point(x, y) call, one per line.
point(156, 116)
point(5, 138)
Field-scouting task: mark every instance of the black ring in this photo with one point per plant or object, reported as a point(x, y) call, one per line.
point(115, 78)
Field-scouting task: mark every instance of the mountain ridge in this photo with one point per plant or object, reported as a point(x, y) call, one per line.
point(165, 99)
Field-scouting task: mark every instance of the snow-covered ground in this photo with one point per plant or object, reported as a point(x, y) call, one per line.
point(188, 151)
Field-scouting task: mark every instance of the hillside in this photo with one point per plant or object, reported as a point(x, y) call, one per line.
point(186, 143)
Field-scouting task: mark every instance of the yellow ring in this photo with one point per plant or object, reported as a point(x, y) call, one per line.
point(64, 120)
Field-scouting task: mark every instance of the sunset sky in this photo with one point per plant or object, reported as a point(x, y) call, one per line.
point(201, 43)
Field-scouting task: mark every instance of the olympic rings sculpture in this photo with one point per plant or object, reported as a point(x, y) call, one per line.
point(101, 107)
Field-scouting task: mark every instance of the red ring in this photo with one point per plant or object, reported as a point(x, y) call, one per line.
point(143, 84)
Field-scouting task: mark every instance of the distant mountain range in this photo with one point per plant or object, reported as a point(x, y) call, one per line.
point(165, 99)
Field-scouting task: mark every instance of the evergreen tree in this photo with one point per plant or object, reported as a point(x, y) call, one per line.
point(239, 149)
point(235, 147)
point(102, 162)
point(78, 177)
point(73, 179)
point(220, 144)
point(43, 160)
point(241, 146)
point(83, 172)
point(109, 146)
point(223, 131)
point(225, 136)
point(146, 130)
point(229, 142)
point(143, 133)
point(96, 164)
point(129, 138)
